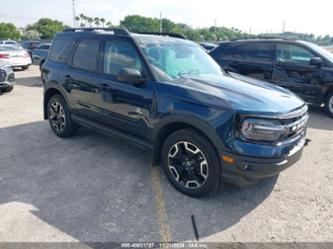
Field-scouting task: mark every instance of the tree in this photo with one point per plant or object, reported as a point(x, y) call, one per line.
point(140, 23)
point(109, 24)
point(102, 20)
point(47, 27)
point(90, 20)
point(31, 35)
point(9, 31)
point(96, 20)
point(77, 20)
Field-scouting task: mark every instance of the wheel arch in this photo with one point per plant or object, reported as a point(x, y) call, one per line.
point(164, 130)
point(49, 92)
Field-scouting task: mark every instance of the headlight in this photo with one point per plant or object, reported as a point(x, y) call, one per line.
point(262, 129)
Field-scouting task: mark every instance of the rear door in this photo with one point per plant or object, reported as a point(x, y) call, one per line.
point(293, 71)
point(252, 59)
point(81, 76)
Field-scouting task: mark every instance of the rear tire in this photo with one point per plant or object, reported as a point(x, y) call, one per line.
point(329, 104)
point(191, 163)
point(60, 118)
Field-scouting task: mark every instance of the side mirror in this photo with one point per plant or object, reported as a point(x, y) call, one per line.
point(316, 61)
point(131, 75)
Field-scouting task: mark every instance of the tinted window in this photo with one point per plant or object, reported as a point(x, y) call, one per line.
point(293, 53)
point(86, 55)
point(252, 51)
point(61, 50)
point(44, 47)
point(119, 55)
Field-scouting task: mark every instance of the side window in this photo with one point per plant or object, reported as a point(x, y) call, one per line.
point(258, 51)
point(86, 55)
point(262, 51)
point(60, 50)
point(119, 55)
point(294, 54)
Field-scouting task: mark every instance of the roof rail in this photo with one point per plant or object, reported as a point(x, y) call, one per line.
point(117, 31)
point(175, 35)
point(263, 37)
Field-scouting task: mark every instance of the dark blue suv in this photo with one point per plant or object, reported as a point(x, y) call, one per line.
point(167, 94)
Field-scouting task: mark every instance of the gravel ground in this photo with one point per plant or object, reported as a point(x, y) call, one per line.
point(95, 188)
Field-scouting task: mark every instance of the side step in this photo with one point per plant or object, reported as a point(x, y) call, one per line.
point(109, 131)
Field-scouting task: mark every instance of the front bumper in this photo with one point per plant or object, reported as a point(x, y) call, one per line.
point(246, 170)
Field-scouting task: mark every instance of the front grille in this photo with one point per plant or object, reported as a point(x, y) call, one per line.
point(295, 124)
point(2, 75)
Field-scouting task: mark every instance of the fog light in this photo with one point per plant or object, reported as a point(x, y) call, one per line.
point(228, 159)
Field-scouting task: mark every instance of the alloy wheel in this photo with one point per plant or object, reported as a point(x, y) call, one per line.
point(330, 104)
point(57, 116)
point(188, 165)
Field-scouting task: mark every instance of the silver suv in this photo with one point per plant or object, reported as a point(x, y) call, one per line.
point(7, 78)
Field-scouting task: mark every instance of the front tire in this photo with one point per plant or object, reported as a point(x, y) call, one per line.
point(25, 68)
point(329, 104)
point(59, 117)
point(191, 163)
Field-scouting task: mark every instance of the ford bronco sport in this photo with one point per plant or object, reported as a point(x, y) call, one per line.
point(166, 93)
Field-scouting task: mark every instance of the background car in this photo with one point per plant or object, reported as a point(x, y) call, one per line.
point(15, 56)
point(208, 46)
point(30, 46)
point(9, 42)
point(7, 77)
point(302, 67)
point(39, 54)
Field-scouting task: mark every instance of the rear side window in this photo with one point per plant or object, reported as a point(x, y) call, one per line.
point(86, 55)
point(61, 50)
point(262, 51)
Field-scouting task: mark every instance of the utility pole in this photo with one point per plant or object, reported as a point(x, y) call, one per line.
point(74, 15)
point(161, 27)
point(284, 26)
point(215, 25)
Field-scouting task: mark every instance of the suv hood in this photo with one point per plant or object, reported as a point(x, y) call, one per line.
point(246, 95)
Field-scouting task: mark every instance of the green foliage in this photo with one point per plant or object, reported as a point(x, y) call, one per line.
point(47, 27)
point(147, 24)
point(9, 31)
point(140, 24)
point(30, 35)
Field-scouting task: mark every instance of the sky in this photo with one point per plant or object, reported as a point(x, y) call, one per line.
point(255, 16)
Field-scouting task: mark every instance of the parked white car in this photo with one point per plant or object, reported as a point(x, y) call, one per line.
point(7, 78)
point(9, 42)
point(15, 56)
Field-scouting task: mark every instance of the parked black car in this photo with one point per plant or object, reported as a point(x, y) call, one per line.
point(29, 46)
point(40, 53)
point(302, 67)
point(167, 94)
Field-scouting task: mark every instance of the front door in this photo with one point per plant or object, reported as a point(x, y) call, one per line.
point(123, 105)
point(293, 71)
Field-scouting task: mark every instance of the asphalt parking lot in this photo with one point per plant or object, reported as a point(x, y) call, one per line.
point(95, 188)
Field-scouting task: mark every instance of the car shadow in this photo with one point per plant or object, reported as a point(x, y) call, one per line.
point(34, 81)
point(95, 188)
point(318, 119)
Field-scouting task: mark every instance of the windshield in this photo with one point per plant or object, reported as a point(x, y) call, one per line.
point(328, 55)
point(174, 59)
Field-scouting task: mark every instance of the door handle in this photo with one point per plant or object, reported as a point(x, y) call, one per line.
point(105, 86)
point(69, 79)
